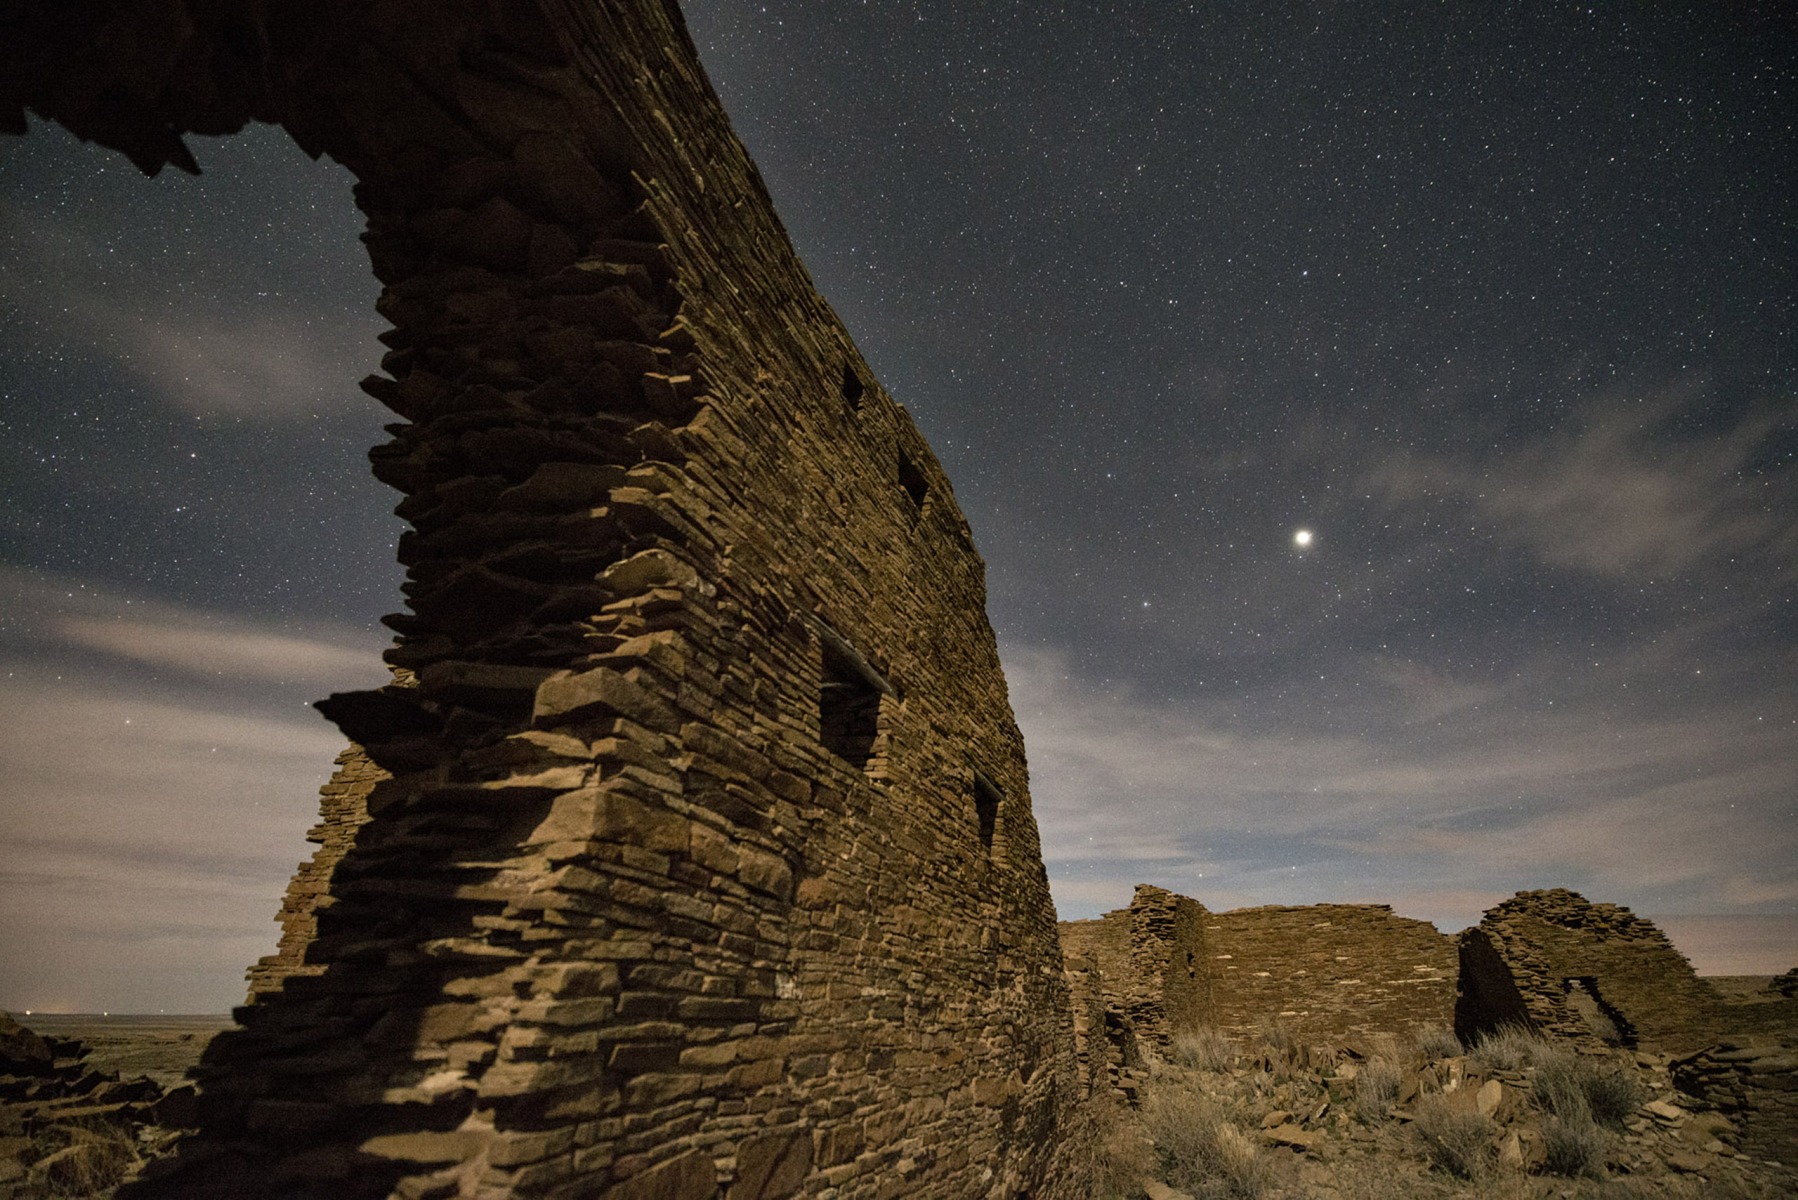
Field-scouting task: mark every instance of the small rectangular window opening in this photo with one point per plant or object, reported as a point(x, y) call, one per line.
point(912, 480)
point(987, 798)
point(849, 701)
point(853, 388)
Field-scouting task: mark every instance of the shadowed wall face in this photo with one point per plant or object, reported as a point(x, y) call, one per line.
point(1593, 973)
point(692, 855)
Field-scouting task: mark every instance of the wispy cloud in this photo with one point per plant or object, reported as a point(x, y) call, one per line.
point(161, 767)
point(148, 841)
point(49, 615)
point(1603, 493)
point(211, 344)
point(1469, 800)
point(243, 653)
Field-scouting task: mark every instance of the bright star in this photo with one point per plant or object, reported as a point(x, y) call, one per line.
point(1302, 538)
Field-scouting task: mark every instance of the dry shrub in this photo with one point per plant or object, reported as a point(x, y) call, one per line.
point(1203, 1049)
point(1509, 1047)
point(1573, 1145)
point(1279, 1038)
point(1613, 1092)
point(1437, 1041)
point(84, 1159)
point(1109, 1151)
point(1557, 1083)
point(1456, 1139)
point(1573, 1087)
point(1200, 1151)
point(1376, 1088)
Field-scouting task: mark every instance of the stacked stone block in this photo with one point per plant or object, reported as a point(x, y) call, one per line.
point(1595, 974)
point(1754, 1082)
point(1135, 984)
point(342, 810)
point(1327, 973)
point(1330, 973)
point(699, 861)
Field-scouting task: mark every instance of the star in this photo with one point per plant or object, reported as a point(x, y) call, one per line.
point(1301, 538)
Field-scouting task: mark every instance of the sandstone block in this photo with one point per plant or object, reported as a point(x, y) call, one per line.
point(606, 814)
point(568, 696)
point(452, 1145)
point(688, 1176)
point(772, 1166)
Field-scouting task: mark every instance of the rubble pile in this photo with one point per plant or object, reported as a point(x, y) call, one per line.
point(1755, 1083)
point(67, 1128)
point(1309, 1108)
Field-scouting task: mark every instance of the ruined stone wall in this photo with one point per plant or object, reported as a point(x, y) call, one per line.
point(1327, 972)
point(1105, 1045)
point(342, 810)
point(1330, 973)
point(1135, 983)
point(1570, 968)
point(706, 866)
point(1754, 1082)
point(1148, 960)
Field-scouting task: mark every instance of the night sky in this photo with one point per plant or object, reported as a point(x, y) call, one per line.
point(1495, 304)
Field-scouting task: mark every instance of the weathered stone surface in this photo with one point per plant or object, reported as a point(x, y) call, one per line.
point(1596, 974)
point(23, 1052)
point(67, 1127)
point(1753, 1086)
point(700, 738)
point(1325, 973)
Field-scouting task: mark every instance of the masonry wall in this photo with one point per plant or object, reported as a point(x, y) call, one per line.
point(1327, 972)
point(342, 811)
point(1558, 962)
point(1330, 972)
point(1754, 1082)
point(1147, 958)
point(700, 860)
point(1137, 980)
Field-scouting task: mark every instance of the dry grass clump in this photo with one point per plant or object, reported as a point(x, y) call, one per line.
point(1612, 1093)
point(1437, 1041)
point(1457, 1140)
point(81, 1159)
point(1200, 1151)
point(1509, 1047)
point(1557, 1083)
point(1108, 1150)
point(1279, 1038)
point(1203, 1049)
point(1569, 1086)
point(1578, 1097)
point(1573, 1145)
point(1376, 1088)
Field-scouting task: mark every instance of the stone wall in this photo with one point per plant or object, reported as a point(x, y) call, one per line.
point(1328, 973)
point(700, 860)
point(342, 810)
point(1592, 973)
point(1136, 981)
point(1147, 960)
point(1754, 1082)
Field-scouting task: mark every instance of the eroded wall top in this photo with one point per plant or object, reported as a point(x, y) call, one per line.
point(1594, 973)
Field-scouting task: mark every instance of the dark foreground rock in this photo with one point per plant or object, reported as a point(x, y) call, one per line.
point(69, 1129)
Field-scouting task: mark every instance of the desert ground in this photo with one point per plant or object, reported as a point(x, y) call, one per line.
point(161, 1047)
point(1213, 1118)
